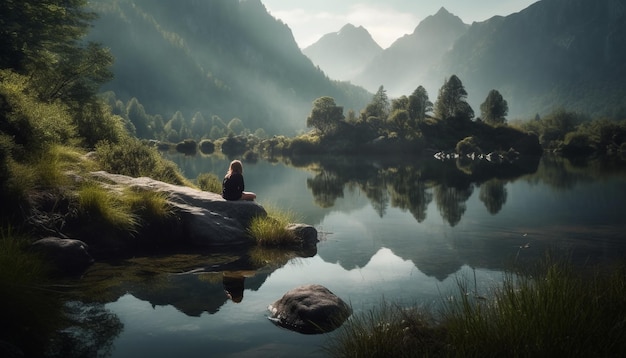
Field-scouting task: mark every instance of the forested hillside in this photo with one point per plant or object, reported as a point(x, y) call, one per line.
point(222, 58)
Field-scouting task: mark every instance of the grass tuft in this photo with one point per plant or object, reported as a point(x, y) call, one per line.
point(148, 205)
point(98, 203)
point(271, 230)
point(209, 182)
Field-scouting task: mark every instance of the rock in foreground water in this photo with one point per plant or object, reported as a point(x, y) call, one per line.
point(309, 309)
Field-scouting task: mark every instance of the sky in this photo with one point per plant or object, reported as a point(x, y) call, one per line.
point(386, 20)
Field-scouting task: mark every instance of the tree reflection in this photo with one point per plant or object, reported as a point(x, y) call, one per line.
point(409, 192)
point(412, 187)
point(376, 191)
point(326, 188)
point(493, 194)
point(91, 332)
point(451, 202)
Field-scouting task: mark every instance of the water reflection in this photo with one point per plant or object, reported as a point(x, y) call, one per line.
point(91, 334)
point(394, 228)
point(493, 194)
point(192, 283)
point(413, 185)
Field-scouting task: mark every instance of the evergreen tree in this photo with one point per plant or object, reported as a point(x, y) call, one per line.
point(494, 109)
point(199, 126)
point(419, 104)
point(379, 106)
point(176, 128)
point(33, 31)
point(451, 102)
point(236, 126)
point(137, 115)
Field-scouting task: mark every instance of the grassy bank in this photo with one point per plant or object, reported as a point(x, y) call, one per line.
point(550, 312)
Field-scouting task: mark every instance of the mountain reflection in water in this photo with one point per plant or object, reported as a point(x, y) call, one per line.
point(396, 229)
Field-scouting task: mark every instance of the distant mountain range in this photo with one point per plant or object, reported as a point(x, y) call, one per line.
point(554, 54)
point(344, 55)
point(218, 57)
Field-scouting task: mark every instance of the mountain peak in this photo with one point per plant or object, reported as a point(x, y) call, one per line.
point(350, 30)
point(443, 11)
point(442, 21)
point(350, 43)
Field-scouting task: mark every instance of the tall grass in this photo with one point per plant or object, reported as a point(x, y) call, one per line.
point(100, 204)
point(148, 205)
point(209, 182)
point(387, 331)
point(555, 313)
point(552, 312)
point(271, 230)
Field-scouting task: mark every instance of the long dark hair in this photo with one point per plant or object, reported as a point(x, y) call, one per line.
point(235, 167)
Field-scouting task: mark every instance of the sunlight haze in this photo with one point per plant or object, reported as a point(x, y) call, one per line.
point(386, 21)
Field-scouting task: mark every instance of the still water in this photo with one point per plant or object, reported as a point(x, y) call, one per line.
point(401, 231)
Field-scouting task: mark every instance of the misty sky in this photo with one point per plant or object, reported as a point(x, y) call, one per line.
point(386, 21)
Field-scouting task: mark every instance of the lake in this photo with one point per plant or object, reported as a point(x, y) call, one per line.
point(400, 230)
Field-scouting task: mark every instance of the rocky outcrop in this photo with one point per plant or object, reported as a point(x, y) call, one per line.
point(69, 256)
point(205, 218)
point(309, 309)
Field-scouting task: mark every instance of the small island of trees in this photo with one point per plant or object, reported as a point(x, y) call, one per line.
point(407, 125)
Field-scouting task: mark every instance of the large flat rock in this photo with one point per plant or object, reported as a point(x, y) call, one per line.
point(206, 218)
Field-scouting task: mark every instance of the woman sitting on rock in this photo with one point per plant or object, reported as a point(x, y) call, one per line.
point(232, 185)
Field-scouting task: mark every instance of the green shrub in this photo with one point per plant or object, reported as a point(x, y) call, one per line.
point(32, 124)
point(467, 146)
point(188, 147)
point(307, 144)
point(209, 182)
point(207, 146)
point(234, 145)
point(96, 123)
point(133, 158)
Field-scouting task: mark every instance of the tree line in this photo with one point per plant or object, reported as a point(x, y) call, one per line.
point(403, 115)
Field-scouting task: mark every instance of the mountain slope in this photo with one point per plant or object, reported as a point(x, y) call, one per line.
point(343, 54)
point(401, 67)
point(219, 57)
point(555, 53)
